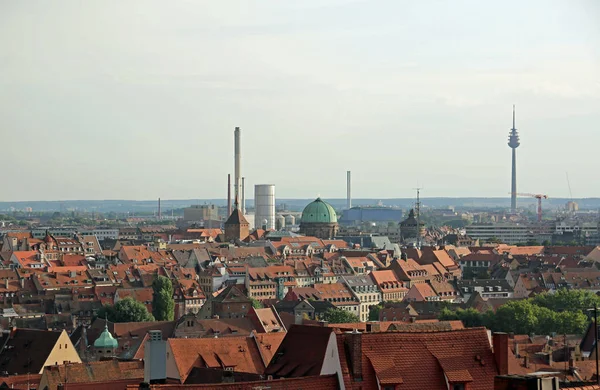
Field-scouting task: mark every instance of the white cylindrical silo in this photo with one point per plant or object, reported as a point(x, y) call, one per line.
point(264, 204)
point(279, 222)
point(290, 220)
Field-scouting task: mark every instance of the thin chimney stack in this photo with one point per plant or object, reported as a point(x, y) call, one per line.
point(228, 194)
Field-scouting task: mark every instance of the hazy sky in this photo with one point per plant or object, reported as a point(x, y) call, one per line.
point(117, 99)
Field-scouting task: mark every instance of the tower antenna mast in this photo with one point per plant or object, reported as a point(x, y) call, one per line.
point(418, 215)
point(513, 143)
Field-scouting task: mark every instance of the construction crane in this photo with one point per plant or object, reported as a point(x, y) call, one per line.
point(539, 198)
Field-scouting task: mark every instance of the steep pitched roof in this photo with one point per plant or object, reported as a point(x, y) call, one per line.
point(301, 353)
point(239, 352)
point(27, 350)
point(236, 218)
point(99, 372)
point(424, 360)
point(322, 382)
point(231, 294)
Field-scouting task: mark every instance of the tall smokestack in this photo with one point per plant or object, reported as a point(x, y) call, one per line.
point(159, 215)
point(237, 164)
point(348, 189)
point(243, 206)
point(228, 194)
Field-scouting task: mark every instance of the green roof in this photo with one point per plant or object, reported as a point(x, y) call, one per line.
point(319, 212)
point(106, 340)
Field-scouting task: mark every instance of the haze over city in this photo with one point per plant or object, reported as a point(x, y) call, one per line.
point(139, 99)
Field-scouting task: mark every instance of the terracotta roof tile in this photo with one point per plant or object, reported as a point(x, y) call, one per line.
point(240, 352)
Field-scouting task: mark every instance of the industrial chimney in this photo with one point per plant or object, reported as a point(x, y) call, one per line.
point(228, 194)
point(243, 205)
point(348, 190)
point(159, 215)
point(237, 164)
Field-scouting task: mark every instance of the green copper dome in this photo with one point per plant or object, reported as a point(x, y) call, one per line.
point(106, 340)
point(319, 212)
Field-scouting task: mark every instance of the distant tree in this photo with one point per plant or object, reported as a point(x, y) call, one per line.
point(494, 240)
point(256, 304)
point(163, 305)
point(457, 223)
point(546, 243)
point(126, 310)
point(339, 316)
point(570, 300)
point(374, 312)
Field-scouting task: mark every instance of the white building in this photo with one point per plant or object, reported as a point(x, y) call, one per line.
point(509, 233)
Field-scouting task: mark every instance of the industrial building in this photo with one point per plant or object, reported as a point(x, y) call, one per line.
point(359, 215)
point(196, 213)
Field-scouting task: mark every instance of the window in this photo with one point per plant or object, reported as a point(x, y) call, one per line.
point(458, 386)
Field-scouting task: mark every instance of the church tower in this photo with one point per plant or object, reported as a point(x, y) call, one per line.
point(236, 226)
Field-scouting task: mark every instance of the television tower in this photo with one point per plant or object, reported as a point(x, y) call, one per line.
point(513, 143)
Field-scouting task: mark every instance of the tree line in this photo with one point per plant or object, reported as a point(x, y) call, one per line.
point(564, 311)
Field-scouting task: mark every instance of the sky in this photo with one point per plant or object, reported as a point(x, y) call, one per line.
point(138, 99)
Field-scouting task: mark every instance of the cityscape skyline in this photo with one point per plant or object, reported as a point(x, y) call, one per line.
point(433, 105)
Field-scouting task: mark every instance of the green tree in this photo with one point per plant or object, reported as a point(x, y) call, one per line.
point(570, 300)
point(256, 303)
point(163, 305)
point(339, 316)
point(374, 312)
point(126, 310)
point(517, 317)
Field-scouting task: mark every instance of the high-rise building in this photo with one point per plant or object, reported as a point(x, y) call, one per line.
point(513, 143)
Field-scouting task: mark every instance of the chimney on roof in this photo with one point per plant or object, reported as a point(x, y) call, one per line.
point(373, 327)
point(22, 280)
point(155, 358)
point(500, 342)
point(353, 342)
point(6, 283)
point(526, 361)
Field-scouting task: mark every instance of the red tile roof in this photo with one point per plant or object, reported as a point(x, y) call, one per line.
point(241, 353)
point(424, 360)
point(324, 382)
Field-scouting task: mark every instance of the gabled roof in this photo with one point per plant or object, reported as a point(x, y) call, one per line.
point(424, 360)
point(231, 294)
point(98, 372)
point(301, 353)
point(445, 259)
point(27, 350)
point(241, 353)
